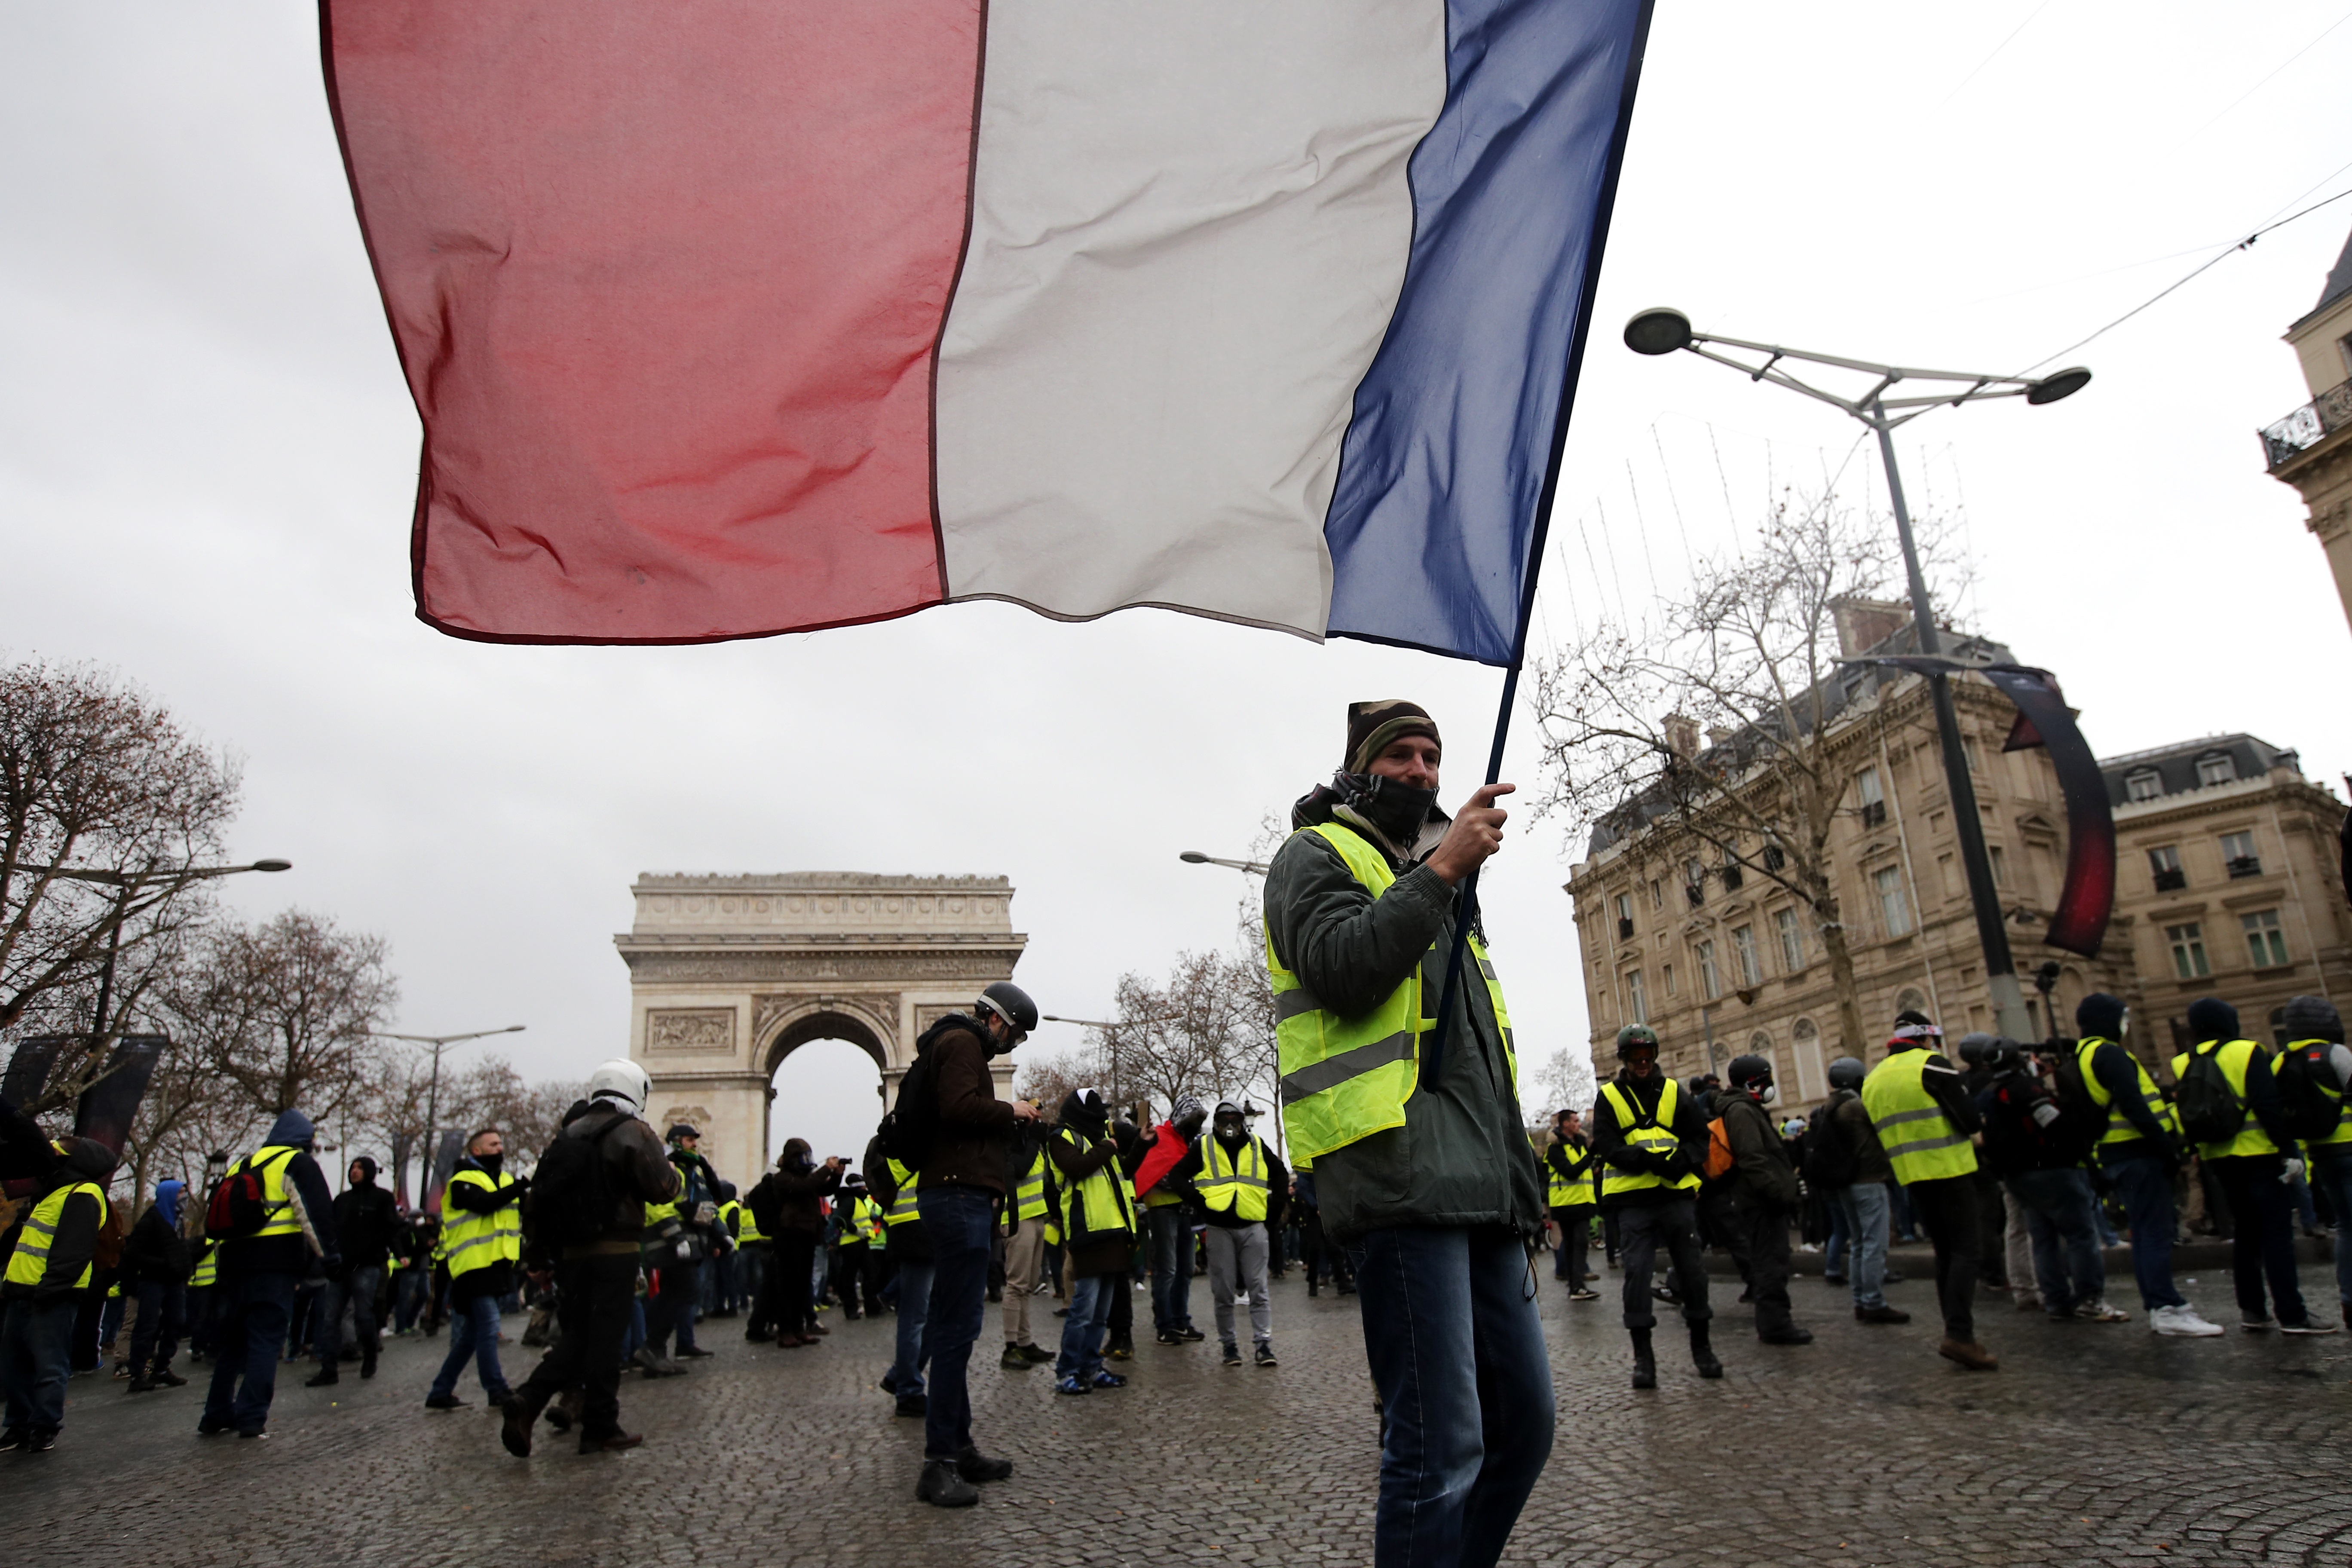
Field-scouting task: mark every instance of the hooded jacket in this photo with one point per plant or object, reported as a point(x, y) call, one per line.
point(1277, 1180)
point(1462, 1157)
point(791, 1197)
point(305, 1182)
point(1093, 1149)
point(74, 1245)
point(975, 1128)
point(156, 1253)
point(367, 1220)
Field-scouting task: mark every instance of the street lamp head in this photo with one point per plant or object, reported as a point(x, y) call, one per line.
point(512, 1029)
point(1660, 331)
point(1192, 857)
point(2057, 385)
point(273, 865)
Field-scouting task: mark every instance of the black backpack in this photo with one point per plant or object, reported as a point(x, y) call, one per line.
point(572, 1195)
point(1829, 1159)
point(2211, 1110)
point(2070, 1140)
point(912, 1124)
point(2310, 1104)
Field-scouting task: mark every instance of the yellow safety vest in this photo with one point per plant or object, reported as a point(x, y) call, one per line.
point(1655, 1133)
point(1920, 1141)
point(2342, 1133)
point(1231, 1184)
point(282, 1218)
point(470, 1240)
point(30, 1262)
point(657, 1212)
point(2233, 1055)
point(207, 1269)
point(1103, 1203)
point(1571, 1192)
point(902, 1207)
point(1343, 1079)
point(1029, 1201)
point(738, 1221)
point(863, 1223)
point(2119, 1126)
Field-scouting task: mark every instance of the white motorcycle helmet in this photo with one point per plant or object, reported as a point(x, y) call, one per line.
point(623, 1082)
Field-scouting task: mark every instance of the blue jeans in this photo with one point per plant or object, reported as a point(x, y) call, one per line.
point(473, 1332)
point(914, 1316)
point(1867, 1210)
point(253, 1311)
point(2066, 1263)
point(359, 1288)
point(2334, 1177)
point(1171, 1268)
point(36, 1347)
point(957, 1220)
point(1082, 1329)
point(1458, 1353)
point(410, 1288)
point(1840, 1238)
point(2145, 1187)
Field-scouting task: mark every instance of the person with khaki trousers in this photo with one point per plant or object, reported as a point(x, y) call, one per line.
point(1024, 1248)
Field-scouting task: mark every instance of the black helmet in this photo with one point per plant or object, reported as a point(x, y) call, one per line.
point(1748, 1070)
point(1011, 1004)
point(1633, 1035)
point(1847, 1072)
point(1974, 1047)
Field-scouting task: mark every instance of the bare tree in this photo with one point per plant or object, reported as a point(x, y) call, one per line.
point(1748, 657)
point(105, 806)
point(1567, 1081)
point(291, 1007)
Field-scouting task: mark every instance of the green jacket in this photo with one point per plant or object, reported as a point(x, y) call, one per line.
point(1462, 1157)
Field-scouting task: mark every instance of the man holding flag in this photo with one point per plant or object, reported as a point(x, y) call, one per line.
point(1422, 1161)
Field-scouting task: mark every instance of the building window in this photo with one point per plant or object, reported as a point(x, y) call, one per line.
point(1773, 857)
point(1792, 940)
point(1969, 751)
point(2000, 865)
point(1732, 875)
point(1637, 1004)
point(2144, 785)
point(2164, 862)
point(2264, 941)
point(1625, 916)
point(2238, 855)
point(1668, 969)
point(1893, 909)
point(1743, 955)
point(1711, 982)
point(1657, 894)
point(2187, 942)
point(1694, 883)
point(1951, 867)
point(2216, 770)
point(1873, 798)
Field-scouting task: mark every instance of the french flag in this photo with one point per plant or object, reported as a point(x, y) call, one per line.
point(727, 318)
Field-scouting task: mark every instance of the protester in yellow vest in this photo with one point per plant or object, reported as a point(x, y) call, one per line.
point(1926, 1125)
point(1095, 1214)
point(1243, 1187)
point(1025, 1248)
point(49, 1271)
point(1572, 1192)
point(2316, 1029)
point(1408, 1104)
point(858, 1263)
point(481, 1239)
point(1649, 1138)
point(2254, 1166)
point(259, 1271)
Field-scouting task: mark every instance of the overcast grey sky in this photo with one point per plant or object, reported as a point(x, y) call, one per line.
point(208, 457)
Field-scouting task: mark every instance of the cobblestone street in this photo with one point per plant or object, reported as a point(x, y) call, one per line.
point(2093, 1445)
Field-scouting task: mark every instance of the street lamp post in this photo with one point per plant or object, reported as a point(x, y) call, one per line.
point(1664, 332)
point(432, 1088)
point(1249, 868)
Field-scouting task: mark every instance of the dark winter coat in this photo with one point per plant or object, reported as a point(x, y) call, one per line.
point(1761, 1176)
point(636, 1168)
point(791, 1197)
point(975, 1128)
point(74, 1245)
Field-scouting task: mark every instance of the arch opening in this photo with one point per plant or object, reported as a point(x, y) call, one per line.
point(825, 1084)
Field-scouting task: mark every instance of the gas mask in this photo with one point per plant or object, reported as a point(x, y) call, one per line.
point(1767, 1092)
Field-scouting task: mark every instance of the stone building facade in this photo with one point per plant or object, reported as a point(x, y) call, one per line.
point(728, 975)
point(2310, 448)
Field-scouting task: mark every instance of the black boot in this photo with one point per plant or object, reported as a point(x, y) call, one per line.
point(1645, 1364)
point(327, 1378)
point(1703, 1354)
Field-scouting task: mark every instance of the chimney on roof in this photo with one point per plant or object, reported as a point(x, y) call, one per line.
point(1864, 624)
point(1682, 735)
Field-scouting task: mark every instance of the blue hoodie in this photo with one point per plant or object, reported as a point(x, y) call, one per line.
point(289, 1254)
point(167, 1198)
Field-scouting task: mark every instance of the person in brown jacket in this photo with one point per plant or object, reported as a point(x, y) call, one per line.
point(961, 1189)
point(1763, 1193)
point(596, 1280)
point(788, 1204)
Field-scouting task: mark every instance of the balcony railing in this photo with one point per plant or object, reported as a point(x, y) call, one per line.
point(2171, 882)
point(2308, 427)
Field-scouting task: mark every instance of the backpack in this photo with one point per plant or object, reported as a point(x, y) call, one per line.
point(1829, 1161)
point(2310, 1105)
point(2069, 1140)
point(239, 1204)
point(2211, 1110)
point(1719, 1152)
point(571, 1198)
point(913, 1123)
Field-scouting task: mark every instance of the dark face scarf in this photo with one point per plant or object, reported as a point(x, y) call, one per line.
point(1395, 810)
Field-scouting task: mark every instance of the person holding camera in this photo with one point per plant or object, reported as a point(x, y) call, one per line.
point(788, 1204)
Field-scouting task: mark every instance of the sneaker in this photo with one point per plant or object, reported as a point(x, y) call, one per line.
point(40, 1442)
point(1190, 1334)
point(14, 1439)
point(1168, 1337)
point(255, 1435)
point(1232, 1356)
point(2308, 1326)
point(2256, 1323)
point(208, 1428)
point(1110, 1380)
point(2098, 1312)
point(444, 1401)
point(1072, 1384)
point(2182, 1322)
point(942, 1487)
point(1265, 1356)
point(1014, 1361)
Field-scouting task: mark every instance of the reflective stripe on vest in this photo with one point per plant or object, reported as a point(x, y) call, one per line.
point(1234, 1184)
point(2233, 1057)
point(1103, 1203)
point(1655, 1133)
point(1918, 1138)
point(1029, 1200)
point(207, 1269)
point(862, 1222)
point(470, 1240)
point(2322, 1076)
point(271, 1160)
point(902, 1207)
point(2119, 1126)
point(29, 1263)
point(1342, 1078)
point(1569, 1192)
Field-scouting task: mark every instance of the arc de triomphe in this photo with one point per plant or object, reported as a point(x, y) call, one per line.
point(728, 975)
